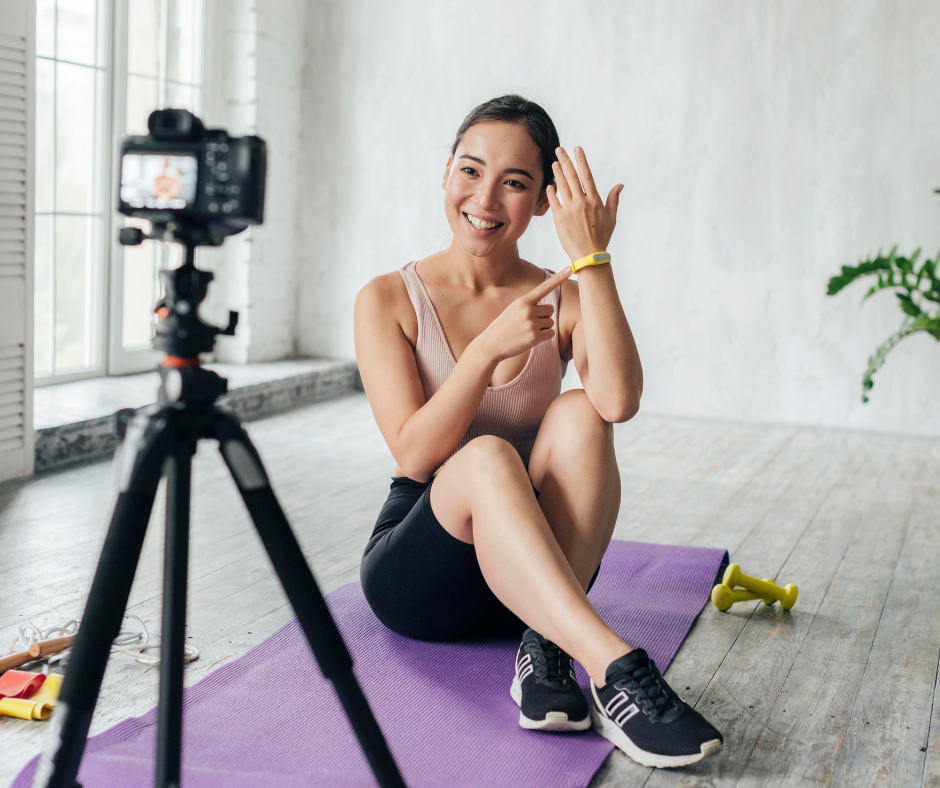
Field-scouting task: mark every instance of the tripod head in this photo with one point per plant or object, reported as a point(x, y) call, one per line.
point(181, 332)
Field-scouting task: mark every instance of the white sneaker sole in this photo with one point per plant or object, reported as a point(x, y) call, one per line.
point(619, 739)
point(554, 720)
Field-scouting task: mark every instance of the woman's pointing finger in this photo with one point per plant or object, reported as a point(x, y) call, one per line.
point(540, 291)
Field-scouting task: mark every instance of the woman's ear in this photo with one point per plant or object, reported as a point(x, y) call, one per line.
point(446, 173)
point(542, 206)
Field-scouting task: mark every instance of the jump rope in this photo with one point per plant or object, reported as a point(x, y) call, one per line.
point(133, 640)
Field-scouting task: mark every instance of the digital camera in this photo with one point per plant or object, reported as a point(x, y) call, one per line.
point(192, 183)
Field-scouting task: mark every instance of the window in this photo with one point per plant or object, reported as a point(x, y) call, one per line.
point(71, 72)
point(164, 69)
point(83, 108)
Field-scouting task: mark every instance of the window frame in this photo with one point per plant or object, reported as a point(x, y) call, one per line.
point(103, 267)
point(121, 360)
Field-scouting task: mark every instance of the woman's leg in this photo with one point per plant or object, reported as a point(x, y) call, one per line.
point(574, 468)
point(484, 496)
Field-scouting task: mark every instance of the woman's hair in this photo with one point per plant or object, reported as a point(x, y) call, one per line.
point(513, 108)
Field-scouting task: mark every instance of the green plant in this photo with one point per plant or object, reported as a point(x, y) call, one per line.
point(916, 285)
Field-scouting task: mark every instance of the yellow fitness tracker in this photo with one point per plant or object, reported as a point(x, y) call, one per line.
point(592, 259)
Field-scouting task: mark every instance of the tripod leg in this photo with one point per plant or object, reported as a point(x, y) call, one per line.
point(176, 560)
point(140, 464)
point(304, 594)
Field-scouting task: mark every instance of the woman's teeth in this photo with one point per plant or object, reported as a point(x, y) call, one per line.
point(480, 224)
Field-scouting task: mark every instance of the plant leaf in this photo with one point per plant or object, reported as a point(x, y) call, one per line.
point(851, 273)
point(908, 305)
point(877, 359)
point(932, 327)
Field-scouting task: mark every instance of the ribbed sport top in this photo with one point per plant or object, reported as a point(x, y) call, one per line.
point(513, 411)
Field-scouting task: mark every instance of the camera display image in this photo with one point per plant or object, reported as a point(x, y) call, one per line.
point(158, 180)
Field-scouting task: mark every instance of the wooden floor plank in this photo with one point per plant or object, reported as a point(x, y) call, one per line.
point(767, 519)
point(886, 731)
point(803, 734)
point(739, 696)
point(931, 778)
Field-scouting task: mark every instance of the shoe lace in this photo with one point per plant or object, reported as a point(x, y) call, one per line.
point(550, 664)
point(651, 690)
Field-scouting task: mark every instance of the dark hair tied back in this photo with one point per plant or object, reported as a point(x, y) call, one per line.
point(513, 108)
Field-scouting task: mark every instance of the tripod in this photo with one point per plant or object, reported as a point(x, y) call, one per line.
point(165, 436)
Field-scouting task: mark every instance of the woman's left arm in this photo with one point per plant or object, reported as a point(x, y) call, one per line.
point(603, 348)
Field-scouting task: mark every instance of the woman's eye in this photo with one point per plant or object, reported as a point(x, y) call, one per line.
point(469, 170)
point(516, 184)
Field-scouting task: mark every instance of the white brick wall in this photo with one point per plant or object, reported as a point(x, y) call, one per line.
point(258, 59)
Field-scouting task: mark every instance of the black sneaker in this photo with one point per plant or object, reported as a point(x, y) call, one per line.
point(642, 715)
point(546, 689)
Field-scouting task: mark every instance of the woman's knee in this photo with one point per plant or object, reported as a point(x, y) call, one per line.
point(575, 411)
point(488, 453)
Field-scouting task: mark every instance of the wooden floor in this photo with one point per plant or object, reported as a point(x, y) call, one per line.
point(841, 691)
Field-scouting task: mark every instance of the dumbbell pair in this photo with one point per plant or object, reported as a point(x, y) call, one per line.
point(725, 594)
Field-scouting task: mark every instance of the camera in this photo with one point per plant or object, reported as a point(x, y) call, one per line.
point(195, 185)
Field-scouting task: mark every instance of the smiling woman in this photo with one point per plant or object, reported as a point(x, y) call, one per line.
point(523, 123)
point(505, 493)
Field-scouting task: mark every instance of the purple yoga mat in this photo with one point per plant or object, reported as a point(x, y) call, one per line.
point(444, 707)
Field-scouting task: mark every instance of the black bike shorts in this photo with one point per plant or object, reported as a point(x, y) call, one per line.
point(423, 582)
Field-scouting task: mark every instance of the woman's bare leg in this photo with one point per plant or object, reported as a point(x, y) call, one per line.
point(483, 496)
point(574, 467)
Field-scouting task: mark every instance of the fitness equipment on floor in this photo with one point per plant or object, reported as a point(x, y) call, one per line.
point(36, 694)
point(725, 594)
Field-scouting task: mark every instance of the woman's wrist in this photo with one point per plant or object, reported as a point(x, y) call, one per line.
point(590, 259)
point(483, 353)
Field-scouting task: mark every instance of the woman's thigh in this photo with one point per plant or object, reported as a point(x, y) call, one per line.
point(485, 467)
point(423, 582)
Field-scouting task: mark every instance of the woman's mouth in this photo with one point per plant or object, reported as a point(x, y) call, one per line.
point(482, 226)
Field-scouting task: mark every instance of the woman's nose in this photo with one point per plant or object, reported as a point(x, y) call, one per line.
point(488, 195)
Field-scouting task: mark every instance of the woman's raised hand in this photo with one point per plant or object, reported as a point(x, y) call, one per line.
point(525, 322)
point(583, 222)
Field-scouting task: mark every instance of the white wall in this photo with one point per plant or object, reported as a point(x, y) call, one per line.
point(257, 58)
point(762, 144)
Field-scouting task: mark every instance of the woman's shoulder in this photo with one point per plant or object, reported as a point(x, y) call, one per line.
point(388, 293)
point(391, 284)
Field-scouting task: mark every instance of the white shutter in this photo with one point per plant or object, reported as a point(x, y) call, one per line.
point(17, 69)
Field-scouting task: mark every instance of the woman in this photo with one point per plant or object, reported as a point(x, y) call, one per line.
point(505, 493)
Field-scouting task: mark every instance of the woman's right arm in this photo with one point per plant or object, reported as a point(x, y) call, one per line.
point(420, 435)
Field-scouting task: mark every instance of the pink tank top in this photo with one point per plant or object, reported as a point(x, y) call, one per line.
point(513, 411)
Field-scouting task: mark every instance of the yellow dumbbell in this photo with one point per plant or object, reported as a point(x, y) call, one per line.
point(723, 596)
point(767, 590)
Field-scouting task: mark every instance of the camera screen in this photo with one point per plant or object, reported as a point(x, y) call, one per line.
point(158, 180)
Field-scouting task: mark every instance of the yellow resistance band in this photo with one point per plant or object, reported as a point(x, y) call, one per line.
point(592, 259)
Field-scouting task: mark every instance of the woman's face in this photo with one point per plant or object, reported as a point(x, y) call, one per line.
point(493, 187)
